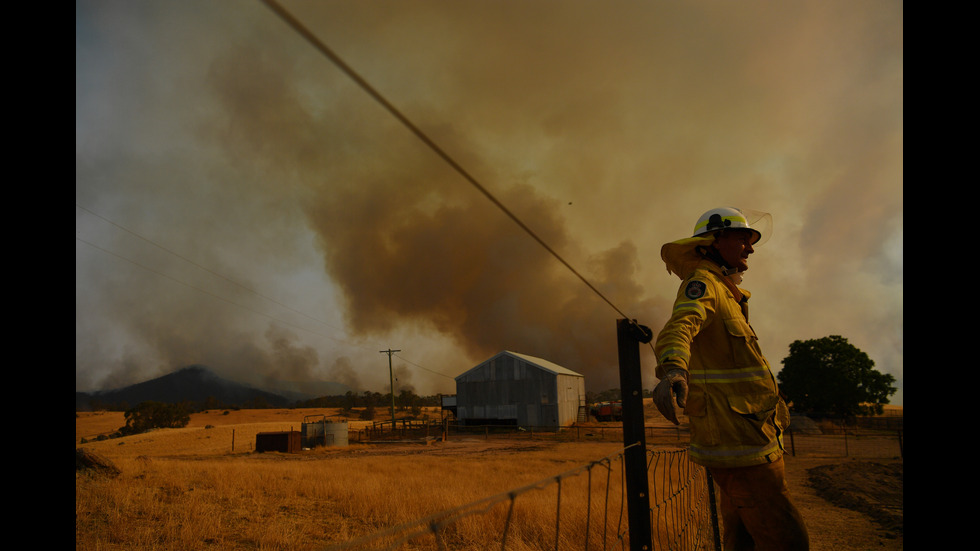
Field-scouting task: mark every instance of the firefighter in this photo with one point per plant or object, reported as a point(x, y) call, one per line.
point(709, 362)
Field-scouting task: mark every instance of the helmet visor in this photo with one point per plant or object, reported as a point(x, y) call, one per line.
point(759, 221)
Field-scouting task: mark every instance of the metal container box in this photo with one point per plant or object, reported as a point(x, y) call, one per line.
point(286, 442)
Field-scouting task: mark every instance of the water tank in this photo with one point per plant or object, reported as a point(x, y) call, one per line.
point(324, 433)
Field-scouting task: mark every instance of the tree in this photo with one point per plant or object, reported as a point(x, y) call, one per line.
point(407, 399)
point(367, 414)
point(350, 400)
point(152, 415)
point(832, 376)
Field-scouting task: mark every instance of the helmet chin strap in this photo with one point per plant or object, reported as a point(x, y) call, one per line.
point(713, 255)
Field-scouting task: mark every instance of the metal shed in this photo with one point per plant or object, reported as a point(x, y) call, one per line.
point(286, 442)
point(517, 389)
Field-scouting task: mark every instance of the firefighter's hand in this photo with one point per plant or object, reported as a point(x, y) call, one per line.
point(670, 393)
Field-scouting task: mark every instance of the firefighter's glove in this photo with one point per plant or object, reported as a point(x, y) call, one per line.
point(670, 393)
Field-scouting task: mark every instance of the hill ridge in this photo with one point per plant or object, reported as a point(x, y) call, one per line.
point(194, 383)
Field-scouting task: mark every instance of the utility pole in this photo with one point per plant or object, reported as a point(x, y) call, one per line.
point(391, 376)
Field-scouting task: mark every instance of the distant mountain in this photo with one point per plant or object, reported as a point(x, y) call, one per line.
point(307, 390)
point(196, 384)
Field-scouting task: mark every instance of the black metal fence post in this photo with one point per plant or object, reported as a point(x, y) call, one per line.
point(629, 336)
point(716, 532)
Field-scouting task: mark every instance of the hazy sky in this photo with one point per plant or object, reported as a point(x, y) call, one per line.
point(241, 203)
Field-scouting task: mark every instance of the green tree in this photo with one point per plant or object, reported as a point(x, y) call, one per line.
point(350, 400)
point(407, 399)
point(152, 415)
point(832, 376)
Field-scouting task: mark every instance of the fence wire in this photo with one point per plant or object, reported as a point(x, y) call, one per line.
point(680, 509)
point(829, 442)
point(580, 509)
point(585, 508)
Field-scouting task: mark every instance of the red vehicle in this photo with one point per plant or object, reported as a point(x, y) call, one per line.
point(607, 411)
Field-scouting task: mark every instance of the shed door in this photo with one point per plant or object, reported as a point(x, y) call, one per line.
point(532, 415)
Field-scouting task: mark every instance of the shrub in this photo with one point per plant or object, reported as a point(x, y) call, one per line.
point(152, 415)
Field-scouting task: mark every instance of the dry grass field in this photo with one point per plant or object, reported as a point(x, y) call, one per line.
point(204, 487)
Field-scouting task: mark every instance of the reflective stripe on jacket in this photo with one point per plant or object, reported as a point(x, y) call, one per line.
point(737, 417)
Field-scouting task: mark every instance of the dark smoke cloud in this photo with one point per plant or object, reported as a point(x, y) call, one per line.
point(410, 243)
point(343, 372)
point(403, 380)
point(291, 360)
point(467, 271)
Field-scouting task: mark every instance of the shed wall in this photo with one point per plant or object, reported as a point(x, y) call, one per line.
point(572, 395)
point(507, 390)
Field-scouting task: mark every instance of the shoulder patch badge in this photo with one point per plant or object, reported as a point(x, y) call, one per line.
point(695, 289)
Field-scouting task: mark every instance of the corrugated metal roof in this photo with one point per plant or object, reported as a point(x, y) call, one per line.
point(538, 362)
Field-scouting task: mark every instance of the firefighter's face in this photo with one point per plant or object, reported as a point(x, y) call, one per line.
point(735, 246)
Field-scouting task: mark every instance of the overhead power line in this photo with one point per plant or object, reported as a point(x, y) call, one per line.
point(333, 57)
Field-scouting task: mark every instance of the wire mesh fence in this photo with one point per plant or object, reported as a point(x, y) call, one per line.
point(680, 503)
point(580, 509)
point(585, 508)
point(844, 442)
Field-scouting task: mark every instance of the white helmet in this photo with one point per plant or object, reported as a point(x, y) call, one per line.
point(760, 223)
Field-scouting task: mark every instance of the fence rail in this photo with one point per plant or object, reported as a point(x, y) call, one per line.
point(837, 441)
point(846, 443)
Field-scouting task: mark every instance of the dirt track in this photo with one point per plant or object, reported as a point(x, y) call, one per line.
point(849, 503)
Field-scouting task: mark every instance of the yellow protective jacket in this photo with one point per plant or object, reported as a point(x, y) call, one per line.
point(736, 414)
